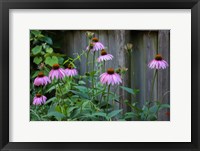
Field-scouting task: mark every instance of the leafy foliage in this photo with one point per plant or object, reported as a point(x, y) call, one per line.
point(76, 98)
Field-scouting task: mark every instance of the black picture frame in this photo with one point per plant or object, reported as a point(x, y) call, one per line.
point(5, 5)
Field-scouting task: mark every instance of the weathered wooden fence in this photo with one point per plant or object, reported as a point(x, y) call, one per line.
point(139, 76)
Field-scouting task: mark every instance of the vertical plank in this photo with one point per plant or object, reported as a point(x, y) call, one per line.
point(150, 50)
point(120, 62)
point(83, 45)
point(164, 75)
point(114, 62)
point(79, 45)
point(68, 44)
point(129, 74)
point(145, 44)
point(112, 49)
point(136, 65)
point(103, 38)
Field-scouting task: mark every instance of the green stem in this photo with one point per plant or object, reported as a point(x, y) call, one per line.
point(102, 95)
point(78, 56)
point(108, 98)
point(152, 86)
point(41, 89)
point(87, 58)
point(87, 64)
point(93, 65)
point(60, 91)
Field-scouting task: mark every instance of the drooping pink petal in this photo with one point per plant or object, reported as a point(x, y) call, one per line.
point(158, 64)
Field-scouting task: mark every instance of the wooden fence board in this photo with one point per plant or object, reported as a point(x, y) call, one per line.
point(164, 75)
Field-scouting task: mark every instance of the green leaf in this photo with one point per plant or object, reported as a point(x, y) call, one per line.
point(93, 73)
point(50, 88)
point(129, 90)
point(83, 95)
point(133, 106)
point(81, 82)
point(129, 115)
point(36, 50)
point(85, 104)
point(164, 106)
point(50, 100)
point(49, 50)
point(37, 60)
point(35, 32)
point(54, 54)
point(60, 60)
point(114, 113)
point(35, 74)
point(57, 115)
point(152, 117)
point(99, 114)
point(153, 109)
point(69, 110)
point(81, 88)
point(47, 40)
point(51, 60)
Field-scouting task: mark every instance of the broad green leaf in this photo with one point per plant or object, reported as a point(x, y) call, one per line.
point(129, 90)
point(153, 109)
point(81, 82)
point(59, 55)
point(47, 40)
point(152, 117)
point(93, 73)
point(35, 32)
point(57, 115)
point(52, 108)
point(50, 88)
point(70, 109)
point(50, 100)
point(36, 50)
point(162, 106)
point(99, 114)
point(54, 54)
point(81, 88)
point(130, 115)
point(60, 60)
point(85, 104)
point(37, 60)
point(114, 113)
point(51, 60)
point(35, 74)
point(49, 50)
point(34, 113)
point(83, 95)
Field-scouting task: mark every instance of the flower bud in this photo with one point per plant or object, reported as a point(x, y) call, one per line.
point(121, 70)
point(128, 47)
point(89, 34)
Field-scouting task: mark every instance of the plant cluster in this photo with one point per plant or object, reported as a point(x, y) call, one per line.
point(59, 92)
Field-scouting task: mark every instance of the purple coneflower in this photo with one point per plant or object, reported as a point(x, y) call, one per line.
point(158, 63)
point(70, 71)
point(39, 99)
point(95, 45)
point(110, 77)
point(41, 79)
point(57, 72)
point(104, 56)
